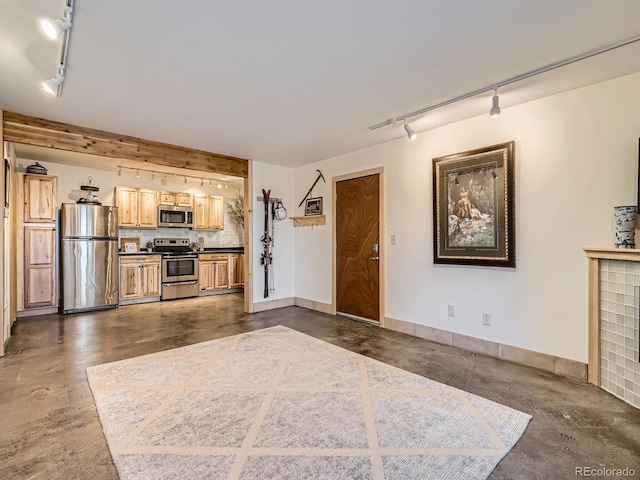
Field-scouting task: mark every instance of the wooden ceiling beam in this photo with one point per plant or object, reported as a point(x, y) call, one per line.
point(20, 128)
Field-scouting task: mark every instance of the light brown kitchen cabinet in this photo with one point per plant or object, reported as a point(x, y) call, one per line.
point(206, 276)
point(40, 197)
point(214, 271)
point(221, 274)
point(236, 270)
point(208, 212)
point(40, 271)
point(137, 207)
point(175, 198)
point(139, 276)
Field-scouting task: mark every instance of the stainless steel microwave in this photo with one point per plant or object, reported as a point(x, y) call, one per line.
point(174, 216)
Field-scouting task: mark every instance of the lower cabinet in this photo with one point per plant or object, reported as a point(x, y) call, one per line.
point(236, 270)
point(214, 271)
point(139, 276)
point(40, 269)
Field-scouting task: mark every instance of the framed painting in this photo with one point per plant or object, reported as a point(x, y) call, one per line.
point(474, 207)
point(313, 206)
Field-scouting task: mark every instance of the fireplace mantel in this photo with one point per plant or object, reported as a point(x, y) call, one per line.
point(628, 254)
point(601, 260)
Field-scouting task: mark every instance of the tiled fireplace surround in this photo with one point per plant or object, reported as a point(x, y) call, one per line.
point(614, 311)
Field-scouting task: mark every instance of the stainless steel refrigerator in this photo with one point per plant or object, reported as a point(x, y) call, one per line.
point(89, 257)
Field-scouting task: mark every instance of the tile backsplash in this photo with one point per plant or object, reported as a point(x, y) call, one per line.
point(231, 236)
point(620, 329)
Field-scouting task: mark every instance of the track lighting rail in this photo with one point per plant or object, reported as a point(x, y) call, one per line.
point(517, 78)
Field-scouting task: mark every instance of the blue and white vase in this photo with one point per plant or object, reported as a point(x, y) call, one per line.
point(625, 226)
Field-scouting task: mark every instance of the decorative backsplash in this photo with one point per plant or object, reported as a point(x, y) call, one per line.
point(231, 236)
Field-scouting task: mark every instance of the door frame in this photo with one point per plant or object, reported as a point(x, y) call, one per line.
point(382, 229)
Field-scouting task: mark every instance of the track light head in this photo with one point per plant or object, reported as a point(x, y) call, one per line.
point(185, 179)
point(54, 28)
point(495, 105)
point(202, 182)
point(137, 173)
point(119, 171)
point(51, 86)
point(410, 131)
point(210, 183)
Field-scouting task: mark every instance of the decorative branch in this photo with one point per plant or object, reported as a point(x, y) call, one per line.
point(236, 209)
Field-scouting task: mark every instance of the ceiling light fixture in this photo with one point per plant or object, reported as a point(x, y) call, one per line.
point(52, 85)
point(410, 131)
point(53, 29)
point(509, 81)
point(163, 175)
point(495, 105)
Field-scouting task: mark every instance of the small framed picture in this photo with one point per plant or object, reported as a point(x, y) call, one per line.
point(313, 206)
point(130, 247)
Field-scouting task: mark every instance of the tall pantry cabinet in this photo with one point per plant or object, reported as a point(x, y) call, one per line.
point(37, 269)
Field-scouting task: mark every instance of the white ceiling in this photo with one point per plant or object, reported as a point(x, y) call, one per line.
point(292, 82)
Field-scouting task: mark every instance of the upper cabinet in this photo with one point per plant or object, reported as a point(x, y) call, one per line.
point(137, 207)
point(208, 212)
point(40, 194)
point(175, 198)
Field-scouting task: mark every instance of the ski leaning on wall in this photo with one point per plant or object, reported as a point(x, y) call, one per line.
point(265, 258)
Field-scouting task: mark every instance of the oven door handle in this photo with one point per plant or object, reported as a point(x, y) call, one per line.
point(178, 284)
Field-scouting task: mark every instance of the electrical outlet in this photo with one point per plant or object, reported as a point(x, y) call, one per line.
point(451, 310)
point(486, 319)
point(394, 239)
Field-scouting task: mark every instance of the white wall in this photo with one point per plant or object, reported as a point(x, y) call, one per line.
point(576, 157)
point(280, 181)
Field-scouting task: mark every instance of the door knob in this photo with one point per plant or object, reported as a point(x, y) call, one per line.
point(376, 258)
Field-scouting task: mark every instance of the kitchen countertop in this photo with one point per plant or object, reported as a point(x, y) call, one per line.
point(206, 250)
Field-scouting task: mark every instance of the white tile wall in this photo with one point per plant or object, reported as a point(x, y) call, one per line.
point(231, 236)
point(620, 329)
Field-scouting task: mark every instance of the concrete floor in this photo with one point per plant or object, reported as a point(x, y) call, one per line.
point(50, 429)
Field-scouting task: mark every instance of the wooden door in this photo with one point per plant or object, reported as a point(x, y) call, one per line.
point(130, 281)
point(206, 275)
point(150, 280)
point(184, 199)
point(217, 213)
point(127, 203)
point(40, 278)
point(166, 198)
point(40, 198)
point(147, 209)
point(235, 270)
point(357, 242)
point(200, 212)
point(222, 274)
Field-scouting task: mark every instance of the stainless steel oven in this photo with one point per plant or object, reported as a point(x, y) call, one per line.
point(177, 267)
point(180, 269)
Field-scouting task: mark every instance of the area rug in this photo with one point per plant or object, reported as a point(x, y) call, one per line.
point(278, 404)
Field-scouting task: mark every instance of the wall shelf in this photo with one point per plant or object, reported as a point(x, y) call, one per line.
point(309, 221)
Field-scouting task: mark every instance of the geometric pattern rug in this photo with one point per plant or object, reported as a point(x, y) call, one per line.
point(278, 404)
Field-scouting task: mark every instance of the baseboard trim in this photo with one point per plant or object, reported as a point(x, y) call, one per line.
point(313, 305)
point(543, 361)
point(34, 312)
point(273, 304)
